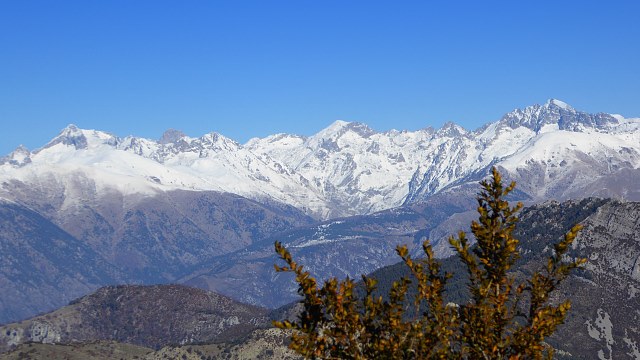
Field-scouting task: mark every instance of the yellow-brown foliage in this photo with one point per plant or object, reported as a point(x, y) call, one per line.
point(504, 318)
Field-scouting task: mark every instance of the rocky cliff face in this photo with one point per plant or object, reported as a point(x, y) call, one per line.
point(605, 315)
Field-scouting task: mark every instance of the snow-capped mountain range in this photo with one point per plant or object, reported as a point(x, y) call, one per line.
point(90, 208)
point(553, 150)
point(345, 169)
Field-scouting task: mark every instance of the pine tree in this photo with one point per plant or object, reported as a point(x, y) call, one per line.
point(503, 319)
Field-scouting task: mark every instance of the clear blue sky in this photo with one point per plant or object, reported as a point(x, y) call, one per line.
point(253, 68)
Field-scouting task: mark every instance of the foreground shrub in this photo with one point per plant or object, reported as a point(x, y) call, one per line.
point(503, 319)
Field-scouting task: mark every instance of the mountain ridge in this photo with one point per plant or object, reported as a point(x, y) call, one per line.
point(345, 169)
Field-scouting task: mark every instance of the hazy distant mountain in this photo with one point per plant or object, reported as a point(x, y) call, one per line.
point(42, 266)
point(72, 246)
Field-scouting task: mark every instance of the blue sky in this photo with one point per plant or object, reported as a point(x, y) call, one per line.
point(253, 68)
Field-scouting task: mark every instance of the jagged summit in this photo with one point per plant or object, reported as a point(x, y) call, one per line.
point(215, 137)
point(361, 129)
point(80, 139)
point(216, 141)
point(558, 113)
point(558, 103)
point(451, 129)
point(70, 135)
point(340, 127)
point(171, 136)
point(336, 125)
point(22, 149)
point(18, 157)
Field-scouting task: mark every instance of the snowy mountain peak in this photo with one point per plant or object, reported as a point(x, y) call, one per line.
point(70, 129)
point(557, 113)
point(21, 149)
point(336, 126)
point(332, 131)
point(79, 139)
point(451, 129)
point(560, 104)
point(215, 137)
point(340, 127)
point(361, 129)
point(18, 157)
point(217, 141)
point(70, 135)
point(176, 146)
